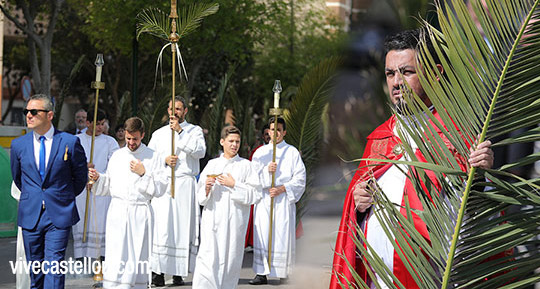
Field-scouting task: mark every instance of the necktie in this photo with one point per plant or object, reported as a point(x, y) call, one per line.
point(42, 157)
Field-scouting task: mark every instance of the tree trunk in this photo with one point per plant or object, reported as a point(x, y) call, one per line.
point(39, 67)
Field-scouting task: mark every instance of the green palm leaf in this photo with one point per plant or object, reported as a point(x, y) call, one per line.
point(215, 116)
point(304, 117)
point(488, 89)
point(191, 17)
point(243, 119)
point(154, 22)
point(157, 23)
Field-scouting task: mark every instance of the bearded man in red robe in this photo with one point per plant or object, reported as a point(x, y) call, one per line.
point(401, 66)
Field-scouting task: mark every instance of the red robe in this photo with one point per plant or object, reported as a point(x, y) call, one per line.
point(380, 145)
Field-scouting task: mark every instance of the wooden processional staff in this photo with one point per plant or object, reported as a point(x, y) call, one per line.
point(97, 85)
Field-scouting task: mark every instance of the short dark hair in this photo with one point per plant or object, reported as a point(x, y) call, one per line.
point(181, 99)
point(101, 115)
point(119, 126)
point(403, 40)
point(134, 124)
point(47, 101)
point(410, 39)
point(279, 120)
point(230, 129)
point(81, 109)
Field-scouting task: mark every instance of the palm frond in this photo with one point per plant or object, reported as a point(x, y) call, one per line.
point(304, 117)
point(215, 117)
point(191, 17)
point(157, 23)
point(486, 91)
point(243, 119)
point(152, 114)
point(154, 22)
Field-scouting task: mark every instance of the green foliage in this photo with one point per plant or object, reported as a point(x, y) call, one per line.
point(214, 120)
point(298, 36)
point(66, 86)
point(304, 118)
point(486, 90)
point(409, 12)
point(243, 118)
point(109, 25)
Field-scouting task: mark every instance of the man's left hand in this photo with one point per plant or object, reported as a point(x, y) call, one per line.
point(274, 192)
point(137, 167)
point(482, 156)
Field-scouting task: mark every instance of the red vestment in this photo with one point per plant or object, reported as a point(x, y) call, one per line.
point(381, 144)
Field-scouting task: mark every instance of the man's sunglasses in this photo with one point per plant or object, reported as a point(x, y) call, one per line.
point(33, 112)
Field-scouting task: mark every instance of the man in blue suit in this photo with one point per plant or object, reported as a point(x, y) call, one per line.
point(49, 167)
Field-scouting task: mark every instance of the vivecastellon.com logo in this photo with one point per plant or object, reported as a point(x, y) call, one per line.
point(84, 266)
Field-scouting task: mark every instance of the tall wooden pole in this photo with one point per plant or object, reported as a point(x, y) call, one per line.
point(275, 112)
point(173, 38)
point(96, 85)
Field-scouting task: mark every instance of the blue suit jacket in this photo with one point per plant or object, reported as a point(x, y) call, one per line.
point(65, 178)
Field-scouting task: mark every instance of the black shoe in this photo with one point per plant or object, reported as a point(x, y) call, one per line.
point(283, 280)
point(258, 280)
point(158, 280)
point(177, 280)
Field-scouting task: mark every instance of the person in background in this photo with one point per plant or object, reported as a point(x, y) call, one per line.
point(120, 135)
point(265, 136)
point(106, 127)
point(104, 147)
point(79, 124)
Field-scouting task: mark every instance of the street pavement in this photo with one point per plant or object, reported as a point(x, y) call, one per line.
point(314, 250)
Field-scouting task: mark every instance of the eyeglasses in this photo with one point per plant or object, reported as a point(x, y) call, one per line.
point(33, 112)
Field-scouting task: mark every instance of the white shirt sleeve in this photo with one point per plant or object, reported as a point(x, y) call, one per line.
point(294, 188)
point(249, 191)
point(191, 142)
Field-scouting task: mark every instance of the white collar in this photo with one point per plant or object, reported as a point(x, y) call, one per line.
point(48, 135)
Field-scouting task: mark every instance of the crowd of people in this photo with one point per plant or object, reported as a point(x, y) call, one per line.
point(128, 203)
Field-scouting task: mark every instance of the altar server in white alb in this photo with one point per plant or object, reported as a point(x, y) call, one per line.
point(177, 219)
point(132, 180)
point(290, 182)
point(228, 186)
point(104, 147)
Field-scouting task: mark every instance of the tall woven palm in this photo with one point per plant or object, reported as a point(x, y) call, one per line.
point(489, 89)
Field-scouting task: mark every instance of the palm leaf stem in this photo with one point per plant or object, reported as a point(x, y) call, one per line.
point(472, 172)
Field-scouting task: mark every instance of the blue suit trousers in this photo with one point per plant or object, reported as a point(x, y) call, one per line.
point(46, 243)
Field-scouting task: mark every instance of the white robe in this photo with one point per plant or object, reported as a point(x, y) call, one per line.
point(224, 222)
point(177, 220)
point(129, 219)
point(22, 279)
point(94, 247)
point(291, 173)
point(392, 184)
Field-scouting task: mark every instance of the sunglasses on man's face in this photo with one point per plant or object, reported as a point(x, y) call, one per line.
point(33, 112)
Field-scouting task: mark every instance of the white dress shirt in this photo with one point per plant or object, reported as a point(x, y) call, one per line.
point(48, 144)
